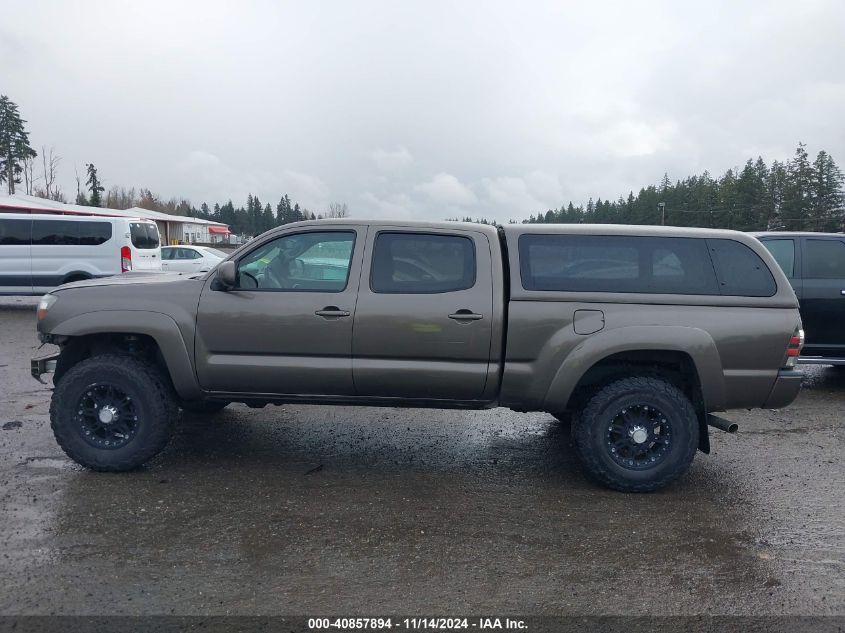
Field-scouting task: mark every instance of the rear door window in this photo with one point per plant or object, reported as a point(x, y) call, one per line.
point(144, 235)
point(15, 232)
point(616, 263)
point(422, 263)
point(824, 259)
point(55, 233)
point(70, 233)
point(784, 253)
point(740, 270)
point(94, 233)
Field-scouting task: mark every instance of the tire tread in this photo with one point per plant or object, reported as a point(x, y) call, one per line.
point(161, 401)
point(584, 425)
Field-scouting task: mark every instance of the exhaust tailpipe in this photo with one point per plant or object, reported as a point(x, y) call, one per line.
point(720, 423)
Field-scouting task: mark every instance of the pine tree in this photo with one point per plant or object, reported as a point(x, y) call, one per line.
point(749, 198)
point(289, 217)
point(826, 193)
point(727, 204)
point(96, 187)
point(256, 216)
point(797, 191)
point(775, 184)
point(267, 220)
point(280, 212)
point(226, 214)
point(14, 144)
point(765, 209)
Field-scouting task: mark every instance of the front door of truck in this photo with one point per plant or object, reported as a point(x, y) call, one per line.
point(424, 319)
point(287, 326)
point(823, 295)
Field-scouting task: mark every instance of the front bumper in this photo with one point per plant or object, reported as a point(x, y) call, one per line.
point(43, 365)
point(785, 390)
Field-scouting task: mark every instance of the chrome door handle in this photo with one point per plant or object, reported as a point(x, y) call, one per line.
point(331, 311)
point(842, 292)
point(466, 315)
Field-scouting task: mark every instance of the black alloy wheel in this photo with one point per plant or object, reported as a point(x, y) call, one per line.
point(638, 437)
point(107, 416)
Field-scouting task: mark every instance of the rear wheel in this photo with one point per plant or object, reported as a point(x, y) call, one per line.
point(637, 434)
point(112, 413)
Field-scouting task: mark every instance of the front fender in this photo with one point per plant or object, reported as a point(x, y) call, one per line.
point(693, 341)
point(160, 327)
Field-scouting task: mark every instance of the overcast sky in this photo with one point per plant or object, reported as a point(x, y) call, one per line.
point(427, 109)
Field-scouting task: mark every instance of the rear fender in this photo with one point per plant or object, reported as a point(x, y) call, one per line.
point(693, 341)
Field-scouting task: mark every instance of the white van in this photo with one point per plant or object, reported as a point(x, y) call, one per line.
point(39, 252)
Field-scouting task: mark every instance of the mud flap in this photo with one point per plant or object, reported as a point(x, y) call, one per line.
point(703, 434)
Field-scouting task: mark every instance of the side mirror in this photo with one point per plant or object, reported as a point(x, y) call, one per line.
point(226, 275)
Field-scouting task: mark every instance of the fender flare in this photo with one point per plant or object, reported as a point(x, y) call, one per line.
point(160, 327)
point(697, 343)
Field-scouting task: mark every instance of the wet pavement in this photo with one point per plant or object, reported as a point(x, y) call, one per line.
point(309, 510)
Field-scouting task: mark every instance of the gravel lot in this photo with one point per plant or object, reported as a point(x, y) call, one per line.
point(309, 510)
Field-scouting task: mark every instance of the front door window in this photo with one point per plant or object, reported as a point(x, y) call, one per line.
point(306, 262)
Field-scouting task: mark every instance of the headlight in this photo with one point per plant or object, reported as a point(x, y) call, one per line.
point(44, 305)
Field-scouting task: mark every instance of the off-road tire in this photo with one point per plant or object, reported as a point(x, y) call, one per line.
point(149, 389)
point(203, 406)
point(591, 423)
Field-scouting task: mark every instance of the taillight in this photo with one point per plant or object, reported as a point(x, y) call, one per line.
point(793, 350)
point(125, 259)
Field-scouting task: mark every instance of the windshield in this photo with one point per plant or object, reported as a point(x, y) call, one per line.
point(144, 235)
point(217, 253)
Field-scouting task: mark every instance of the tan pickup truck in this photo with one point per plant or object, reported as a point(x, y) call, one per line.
point(636, 333)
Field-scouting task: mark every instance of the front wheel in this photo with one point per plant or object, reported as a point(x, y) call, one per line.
point(637, 434)
point(112, 413)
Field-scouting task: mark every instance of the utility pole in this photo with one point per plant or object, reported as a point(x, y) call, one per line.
point(662, 207)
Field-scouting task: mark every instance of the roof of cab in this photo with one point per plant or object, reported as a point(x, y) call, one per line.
point(414, 224)
point(795, 234)
point(515, 229)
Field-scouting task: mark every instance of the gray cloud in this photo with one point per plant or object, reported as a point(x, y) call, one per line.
point(426, 109)
point(392, 160)
point(446, 190)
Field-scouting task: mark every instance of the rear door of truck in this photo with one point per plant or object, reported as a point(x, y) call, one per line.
point(424, 319)
point(823, 295)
